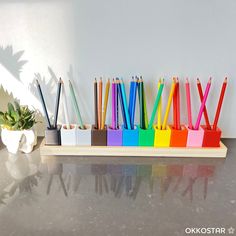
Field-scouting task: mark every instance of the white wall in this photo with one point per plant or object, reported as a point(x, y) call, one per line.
point(125, 38)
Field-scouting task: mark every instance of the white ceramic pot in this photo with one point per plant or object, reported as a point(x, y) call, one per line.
point(17, 140)
point(84, 136)
point(68, 136)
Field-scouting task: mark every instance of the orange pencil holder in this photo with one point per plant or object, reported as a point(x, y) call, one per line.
point(162, 137)
point(211, 137)
point(178, 137)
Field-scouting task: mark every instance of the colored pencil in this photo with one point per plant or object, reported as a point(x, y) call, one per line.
point(65, 107)
point(95, 104)
point(178, 105)
point(188, 98)
point(104, 111)
point(57, 103)
point(121, 103)
point(113, 102)
point(196, 127)
point(175, 108)
point(131, 101)
point(156, 104)
point(199, 86)
point(169, 104)
point(43, 104)
point(220, 102)
point(117, 105)
point(145, 109)
point(159, 108)
point(100, 103)
point(76, 106)
point(125, 104)
point(141, 104)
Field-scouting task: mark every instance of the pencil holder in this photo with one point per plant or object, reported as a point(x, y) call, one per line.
point(178, 137)
point(114, 137)
point(195, 137)
point(99, 136)
point(162, 137)
point(53, 136)
point(84, 136)
point(68, 136)
point(211, 137)
point(130, 136)
point(146, 137)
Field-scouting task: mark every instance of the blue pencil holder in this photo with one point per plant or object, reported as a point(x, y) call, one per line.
point(130, 136)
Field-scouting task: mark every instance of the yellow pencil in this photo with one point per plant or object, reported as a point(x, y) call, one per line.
point(169, 104)
point(104, 111)
point(159, 108)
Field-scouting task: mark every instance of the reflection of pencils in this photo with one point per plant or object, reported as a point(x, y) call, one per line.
point(203, 105)
point(217, 115)
point(104, 111)
point(100, 104)
point(95, 104)
point(199, 86)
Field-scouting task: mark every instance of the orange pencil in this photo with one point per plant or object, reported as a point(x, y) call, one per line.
point(175, 107)
point(100, 104)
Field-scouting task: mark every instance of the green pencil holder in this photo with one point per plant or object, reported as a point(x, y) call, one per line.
point(146, 137)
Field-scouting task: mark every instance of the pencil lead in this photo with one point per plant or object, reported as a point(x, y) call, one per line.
point(225, 81)
point(198, 80)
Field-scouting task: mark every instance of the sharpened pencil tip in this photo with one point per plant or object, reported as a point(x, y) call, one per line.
point(225, 79)
point(187, 80)
point(198, 80)
point(37, 81)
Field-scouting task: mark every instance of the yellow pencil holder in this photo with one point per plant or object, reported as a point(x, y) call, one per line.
point(162, 137)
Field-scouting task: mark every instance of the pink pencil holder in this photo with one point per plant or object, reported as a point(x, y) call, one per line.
point(195, 137)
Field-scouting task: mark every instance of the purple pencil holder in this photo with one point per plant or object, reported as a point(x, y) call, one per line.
point(114, 137)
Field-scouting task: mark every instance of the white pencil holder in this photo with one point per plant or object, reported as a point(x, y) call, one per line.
point(69, 136)
point(84, 136)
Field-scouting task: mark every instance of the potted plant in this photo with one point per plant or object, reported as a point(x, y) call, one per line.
point(17, 128)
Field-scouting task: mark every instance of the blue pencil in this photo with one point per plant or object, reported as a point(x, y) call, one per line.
point(133, 103)
point(125, 104)
point(131, 98)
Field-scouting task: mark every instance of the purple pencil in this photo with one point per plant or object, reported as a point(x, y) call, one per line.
point(203, 105)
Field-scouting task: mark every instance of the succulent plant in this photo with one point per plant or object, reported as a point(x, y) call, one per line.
point(17, 117)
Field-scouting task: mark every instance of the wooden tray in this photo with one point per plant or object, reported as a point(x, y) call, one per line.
point(219, 152)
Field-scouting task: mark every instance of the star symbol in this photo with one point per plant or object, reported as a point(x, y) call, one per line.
point(231, 230)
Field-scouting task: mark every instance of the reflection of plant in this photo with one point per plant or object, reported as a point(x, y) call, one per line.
point(25, 185)
point(11, 61)
point(17, 117)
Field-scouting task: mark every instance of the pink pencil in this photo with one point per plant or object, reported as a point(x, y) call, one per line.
point(190, 125)
point(113, 120)
point(203, 105)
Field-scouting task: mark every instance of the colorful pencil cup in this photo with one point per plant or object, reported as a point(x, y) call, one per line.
point(99, 136)
point(178, 137)
point(53, 136)
point(146, 137)
point(84, 136)
point(130, 137)
point(195, 137)
point(114, 137)
point(68, 136)
point(162, 137)
point(211, 137)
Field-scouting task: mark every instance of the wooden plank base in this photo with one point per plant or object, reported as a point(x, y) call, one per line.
point(219, 152)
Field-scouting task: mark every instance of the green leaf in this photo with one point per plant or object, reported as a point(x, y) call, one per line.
point(10, 108)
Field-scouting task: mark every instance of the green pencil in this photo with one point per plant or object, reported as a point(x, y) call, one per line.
point(76, 107)
point(158, 98)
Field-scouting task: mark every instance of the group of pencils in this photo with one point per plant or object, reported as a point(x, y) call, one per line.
point(203, 109)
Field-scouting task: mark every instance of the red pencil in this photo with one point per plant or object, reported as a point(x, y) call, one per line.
point(220, 104)
point(177, 106)
point(199, 86)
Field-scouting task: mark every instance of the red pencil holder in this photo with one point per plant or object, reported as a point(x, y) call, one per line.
point(178, 137)
point(211, 137)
